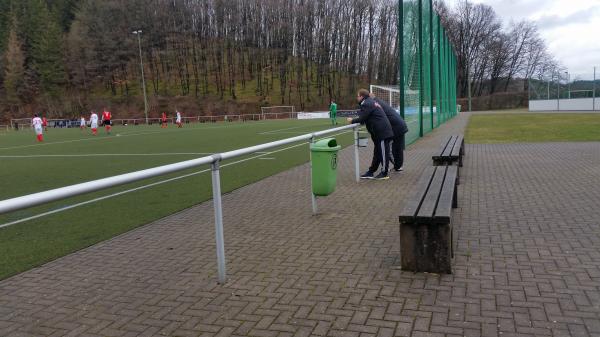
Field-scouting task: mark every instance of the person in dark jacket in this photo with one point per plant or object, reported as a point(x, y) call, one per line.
point(399, 128)
point(381, 132)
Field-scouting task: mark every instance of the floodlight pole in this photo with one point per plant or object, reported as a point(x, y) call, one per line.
point(468, 81)
point(467, 56)
point(557, 90)
point(594, 91)
point(568, 85)
point(139, 33)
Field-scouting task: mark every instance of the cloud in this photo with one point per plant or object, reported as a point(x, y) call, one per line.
point(570, 28)
point(514, 10)
point(579, 17)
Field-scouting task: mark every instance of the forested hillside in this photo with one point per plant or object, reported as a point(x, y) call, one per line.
point(206, 56)
point(65, 57)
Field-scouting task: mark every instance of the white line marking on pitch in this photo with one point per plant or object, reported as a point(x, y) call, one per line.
point(147, 186)
point(267, 158)
point(290, 132)
point(276, 131)
point(105, 155)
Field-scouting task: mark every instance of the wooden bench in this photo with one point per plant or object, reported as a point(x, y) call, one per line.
point(451, 151)
point(425, 222)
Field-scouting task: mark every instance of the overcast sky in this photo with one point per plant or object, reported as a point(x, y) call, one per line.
point(571, 29)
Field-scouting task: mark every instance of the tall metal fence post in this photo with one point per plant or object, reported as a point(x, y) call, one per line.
point(420, 52)
point(594, 91)
point(558, 90)
point(312, 195)
point(356, 158)
point(216, 187)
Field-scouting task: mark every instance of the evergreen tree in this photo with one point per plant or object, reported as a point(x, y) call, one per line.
point(4, 24)
point(14, 69)
point(65, 10)
point(4, 31)
point(48, 57)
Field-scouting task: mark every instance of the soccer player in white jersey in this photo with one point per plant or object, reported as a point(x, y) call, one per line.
point(36, 122)
point(82, 123)
point(178, 119)
point(94, 123)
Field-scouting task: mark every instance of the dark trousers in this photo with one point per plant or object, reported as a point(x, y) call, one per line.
point(381, 155)
point(398, 151)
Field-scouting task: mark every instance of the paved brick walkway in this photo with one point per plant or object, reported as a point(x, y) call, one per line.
point(527, 261)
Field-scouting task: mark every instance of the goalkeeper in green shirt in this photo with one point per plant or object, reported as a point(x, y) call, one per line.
point(333, 113)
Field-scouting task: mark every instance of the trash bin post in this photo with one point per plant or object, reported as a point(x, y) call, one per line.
point(312, 195)
point(356, 159)
point(220, 242)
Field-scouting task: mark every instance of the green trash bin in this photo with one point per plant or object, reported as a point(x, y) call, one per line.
point(324, 166)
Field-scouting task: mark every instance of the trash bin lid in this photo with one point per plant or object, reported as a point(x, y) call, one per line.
point(325, 145)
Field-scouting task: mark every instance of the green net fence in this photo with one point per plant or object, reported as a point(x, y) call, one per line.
point(427, 82)
point(426, 102)
point(410, 87)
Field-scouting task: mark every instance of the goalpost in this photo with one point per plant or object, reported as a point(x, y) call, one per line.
point(581, 93)
point(277, 112)
point(19, 123)
point(389, 93)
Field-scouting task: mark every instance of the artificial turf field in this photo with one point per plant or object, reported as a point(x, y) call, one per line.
point(519, 127)
point(70, 156)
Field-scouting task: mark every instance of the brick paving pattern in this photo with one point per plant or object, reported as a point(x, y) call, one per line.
point(527, 259)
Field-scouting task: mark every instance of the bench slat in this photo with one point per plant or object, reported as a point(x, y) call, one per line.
point(439, 154)
point(433, 193)
point(416, 196)
point(444, 207)
point(448, 149)
point(456, 149)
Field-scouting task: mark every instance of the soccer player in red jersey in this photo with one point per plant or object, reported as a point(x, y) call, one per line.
point(164, 120)
point(106, 116)
point(45, 123)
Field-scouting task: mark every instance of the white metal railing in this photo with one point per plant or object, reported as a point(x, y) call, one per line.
point(35, 199)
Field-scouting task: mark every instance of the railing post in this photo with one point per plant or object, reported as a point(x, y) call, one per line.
point(312, 195)
point(356, 158)
point(220, 245)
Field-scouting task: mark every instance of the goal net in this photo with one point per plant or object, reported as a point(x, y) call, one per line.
point(388, 93)
point(391, 95)
point(278, 112)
